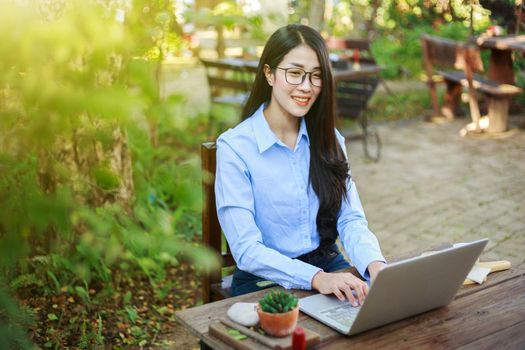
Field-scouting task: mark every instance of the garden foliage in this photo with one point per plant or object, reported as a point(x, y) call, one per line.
point(94, 177)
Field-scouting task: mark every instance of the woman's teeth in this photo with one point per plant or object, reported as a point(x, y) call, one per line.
point(301, 99)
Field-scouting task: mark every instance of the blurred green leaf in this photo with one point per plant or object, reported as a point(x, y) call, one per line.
point(105, 178)
point(132, 313)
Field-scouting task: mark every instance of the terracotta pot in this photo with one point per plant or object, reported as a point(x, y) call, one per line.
point(278, 325)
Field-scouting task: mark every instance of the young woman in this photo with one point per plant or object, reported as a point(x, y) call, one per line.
point(283, 189)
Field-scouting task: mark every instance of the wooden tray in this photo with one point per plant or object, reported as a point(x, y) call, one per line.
point(255, 340)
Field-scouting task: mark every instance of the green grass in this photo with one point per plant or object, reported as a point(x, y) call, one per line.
point(399, 105)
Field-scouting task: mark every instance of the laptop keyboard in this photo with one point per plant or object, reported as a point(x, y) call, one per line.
point(344, 314)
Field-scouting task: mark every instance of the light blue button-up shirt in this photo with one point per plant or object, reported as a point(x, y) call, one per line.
point(267, 208)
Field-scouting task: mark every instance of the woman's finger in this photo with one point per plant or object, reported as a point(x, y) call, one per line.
point(338, 294)
point(365, 289)
point(359, 287)
point(359, 293)
point(349, 295)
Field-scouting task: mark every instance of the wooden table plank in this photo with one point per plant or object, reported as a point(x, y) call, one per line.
point(500, 62)
point(490, 313)
point(199, 318)
point(510, 338)
point(354, 71)
point(511, 42)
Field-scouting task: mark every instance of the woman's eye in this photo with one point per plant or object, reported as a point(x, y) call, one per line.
point(316, 75)
point(295, 73)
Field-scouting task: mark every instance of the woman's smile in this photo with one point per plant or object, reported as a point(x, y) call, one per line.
point(301, 101)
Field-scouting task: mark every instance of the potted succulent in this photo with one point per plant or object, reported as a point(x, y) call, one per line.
point(278, 312)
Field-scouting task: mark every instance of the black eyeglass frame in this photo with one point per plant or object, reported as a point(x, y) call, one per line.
point(303, 78)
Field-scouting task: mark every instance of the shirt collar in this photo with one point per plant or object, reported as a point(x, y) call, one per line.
point(303, 132)
point(265, 136)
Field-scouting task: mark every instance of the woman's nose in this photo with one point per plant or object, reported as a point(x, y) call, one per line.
point(306, 84)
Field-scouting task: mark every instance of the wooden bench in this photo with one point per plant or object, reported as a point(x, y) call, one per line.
point(456, 64)
point(230, 82)
point(214, 285)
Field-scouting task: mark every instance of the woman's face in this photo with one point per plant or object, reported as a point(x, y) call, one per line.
point(295, 100)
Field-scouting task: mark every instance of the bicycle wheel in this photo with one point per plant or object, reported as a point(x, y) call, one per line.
point(372, 145)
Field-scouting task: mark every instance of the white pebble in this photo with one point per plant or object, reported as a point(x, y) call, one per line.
point(244, 313)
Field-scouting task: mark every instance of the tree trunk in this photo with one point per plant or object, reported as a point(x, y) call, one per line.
point(72, 163)
point(316, 14)
point(221, 44)
point(370, 24)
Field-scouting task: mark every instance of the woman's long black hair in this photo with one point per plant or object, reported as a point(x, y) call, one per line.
point(328, 166)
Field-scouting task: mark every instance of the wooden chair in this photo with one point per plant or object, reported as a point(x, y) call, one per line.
point(456, 64)
point(353, 95)
point(230, 82)
point(215, 286)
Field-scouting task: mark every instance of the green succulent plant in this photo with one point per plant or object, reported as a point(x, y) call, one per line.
point(276, 302)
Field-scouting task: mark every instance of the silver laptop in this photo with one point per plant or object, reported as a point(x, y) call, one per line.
point(400, 290)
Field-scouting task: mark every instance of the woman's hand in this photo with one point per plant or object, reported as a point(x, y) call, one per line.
point(341, 284)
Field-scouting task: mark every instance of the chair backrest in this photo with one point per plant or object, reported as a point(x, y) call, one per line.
point(228, 77)
point(352, 95)
point(211, 230)
point(360, 48)
point(363, 47)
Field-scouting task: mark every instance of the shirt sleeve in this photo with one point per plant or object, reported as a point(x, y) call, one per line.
point(235, 210)
point(361, 245)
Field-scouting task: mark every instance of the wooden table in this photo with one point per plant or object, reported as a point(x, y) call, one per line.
point(501, 47)
point(355, 71)
point(491, 315)
point(501, 71)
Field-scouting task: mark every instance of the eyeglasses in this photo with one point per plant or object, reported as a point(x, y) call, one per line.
point(296, 76)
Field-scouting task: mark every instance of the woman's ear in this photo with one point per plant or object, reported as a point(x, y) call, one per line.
point(268, 74)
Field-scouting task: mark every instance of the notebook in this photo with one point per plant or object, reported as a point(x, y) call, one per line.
point(400, 290)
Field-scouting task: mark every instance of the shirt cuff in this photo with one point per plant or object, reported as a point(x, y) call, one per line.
point(304, 276)
point(362, 266)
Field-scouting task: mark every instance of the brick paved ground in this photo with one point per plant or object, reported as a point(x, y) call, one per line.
point(433, 186)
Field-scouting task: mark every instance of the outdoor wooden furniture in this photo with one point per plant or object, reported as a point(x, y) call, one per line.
point(441, 53)
point(358, 49)
point(230, 82)
point(491, 315)
point(465, 59)
point(500, 61)
point(214, 285)
point(357, 77)
point(501, 70)
point(229, 79)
